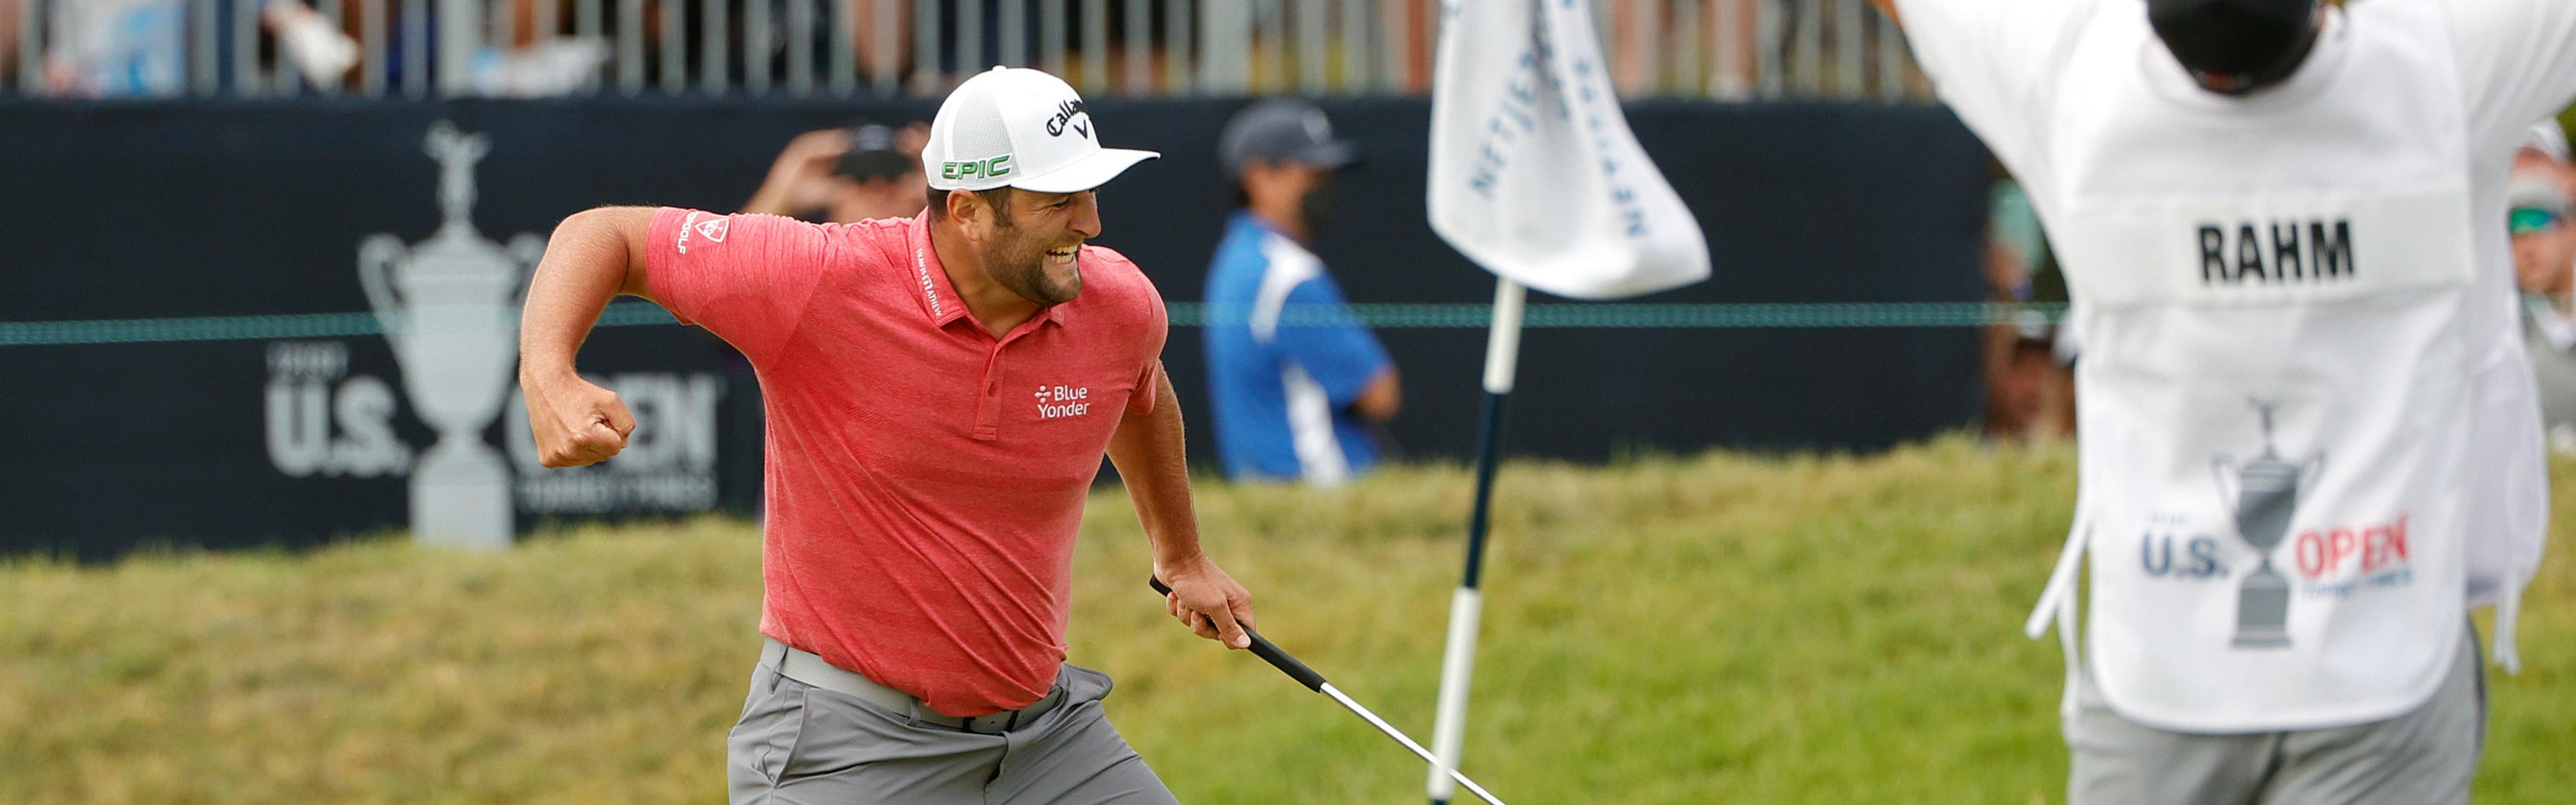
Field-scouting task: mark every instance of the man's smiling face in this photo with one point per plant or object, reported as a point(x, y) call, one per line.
point(1035, 239)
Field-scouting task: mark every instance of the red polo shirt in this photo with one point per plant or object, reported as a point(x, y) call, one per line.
point(925, 479)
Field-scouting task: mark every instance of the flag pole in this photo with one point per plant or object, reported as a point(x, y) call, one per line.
point(1466, 606)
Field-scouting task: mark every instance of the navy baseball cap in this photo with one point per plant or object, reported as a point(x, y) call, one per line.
point(2244, 45)
point(1282, 130)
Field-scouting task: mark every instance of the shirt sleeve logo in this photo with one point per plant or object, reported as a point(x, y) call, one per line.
point(711, 229)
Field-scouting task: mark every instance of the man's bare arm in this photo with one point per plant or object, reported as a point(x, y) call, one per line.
point(1152, 461)
point(594, 256)
point(1382, 398)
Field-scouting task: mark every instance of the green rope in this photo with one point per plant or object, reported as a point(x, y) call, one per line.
point(1183, 314)
point(251, 328)
point(1577, 315)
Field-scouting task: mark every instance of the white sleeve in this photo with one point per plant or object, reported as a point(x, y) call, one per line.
point(1996, 63)
point(2517, 65)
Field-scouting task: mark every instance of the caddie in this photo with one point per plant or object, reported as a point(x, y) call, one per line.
point(2279, 222)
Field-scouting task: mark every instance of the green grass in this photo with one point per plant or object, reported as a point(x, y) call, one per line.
point(1722, 628)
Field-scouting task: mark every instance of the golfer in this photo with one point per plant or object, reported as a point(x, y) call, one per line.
point(939, 391)
point(2281, 221)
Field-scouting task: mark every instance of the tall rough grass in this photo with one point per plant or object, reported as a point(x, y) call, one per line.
point(1721, 628)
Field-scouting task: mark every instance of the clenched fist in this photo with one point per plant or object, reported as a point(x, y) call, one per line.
point(574, 420)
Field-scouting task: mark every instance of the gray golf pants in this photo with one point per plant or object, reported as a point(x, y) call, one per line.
point(2424, 757)
point(802, 745)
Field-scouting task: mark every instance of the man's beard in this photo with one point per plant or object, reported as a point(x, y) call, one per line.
point(1019, 264)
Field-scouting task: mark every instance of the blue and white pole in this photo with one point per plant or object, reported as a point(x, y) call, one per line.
point(1466, 606)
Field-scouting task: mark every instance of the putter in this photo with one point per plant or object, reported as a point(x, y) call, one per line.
point(1289, 665)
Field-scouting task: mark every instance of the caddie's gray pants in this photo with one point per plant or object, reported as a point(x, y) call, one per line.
point(2424, 757)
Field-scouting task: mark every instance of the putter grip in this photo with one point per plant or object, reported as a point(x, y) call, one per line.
point(1267, 651)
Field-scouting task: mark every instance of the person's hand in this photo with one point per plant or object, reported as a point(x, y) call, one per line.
point(912, 139)
point(811, 153)
point(574, 420)
point(1208, 601)
point(797, 181)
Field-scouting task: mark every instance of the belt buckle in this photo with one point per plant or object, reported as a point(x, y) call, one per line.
point(1007, 720)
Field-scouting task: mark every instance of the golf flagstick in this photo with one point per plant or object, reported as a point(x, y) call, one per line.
point(1466, 606)
point(1269, 652)
point(1534, 175)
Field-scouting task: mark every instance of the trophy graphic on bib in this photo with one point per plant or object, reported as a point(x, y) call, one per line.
point(2262, 493)
point(449, 305)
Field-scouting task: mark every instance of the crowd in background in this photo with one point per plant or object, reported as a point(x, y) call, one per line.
point(1719, 49)
point(114, 48)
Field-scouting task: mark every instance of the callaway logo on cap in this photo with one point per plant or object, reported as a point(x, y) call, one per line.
point(1021, 128)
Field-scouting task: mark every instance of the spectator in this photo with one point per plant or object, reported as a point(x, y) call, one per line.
point(847, 175)
point(321, 50)
point(2029, 391)
point(103, 48)
point(9, 11)
point(1297, 383)
point(2544, 266)
point(889, 46)
point(533, 54)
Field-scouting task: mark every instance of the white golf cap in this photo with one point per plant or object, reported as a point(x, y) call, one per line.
point(1022, 128)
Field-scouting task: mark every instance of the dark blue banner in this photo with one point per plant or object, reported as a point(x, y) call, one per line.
point(355, 217)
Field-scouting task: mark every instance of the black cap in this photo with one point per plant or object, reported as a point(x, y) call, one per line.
point(2246, 44)
point(1282, 130)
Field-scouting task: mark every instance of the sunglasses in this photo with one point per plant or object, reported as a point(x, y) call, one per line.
point(2527, 220)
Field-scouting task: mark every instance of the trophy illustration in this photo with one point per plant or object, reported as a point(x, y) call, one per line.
point(2264, 492)
point(449, 306)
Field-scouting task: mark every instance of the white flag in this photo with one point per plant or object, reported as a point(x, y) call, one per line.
point(1534, 174)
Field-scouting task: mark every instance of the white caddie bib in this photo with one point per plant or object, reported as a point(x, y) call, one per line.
point(2275, 382)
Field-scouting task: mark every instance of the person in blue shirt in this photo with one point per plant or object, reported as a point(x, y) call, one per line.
point(1298, 384)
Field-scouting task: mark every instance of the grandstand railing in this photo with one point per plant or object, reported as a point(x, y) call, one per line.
point(1718, 49)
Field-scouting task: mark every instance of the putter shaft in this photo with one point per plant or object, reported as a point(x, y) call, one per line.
point(1288, 664)
point(1399, 737)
